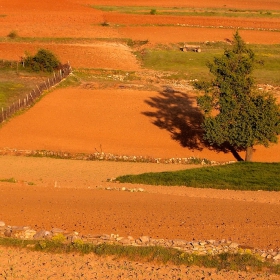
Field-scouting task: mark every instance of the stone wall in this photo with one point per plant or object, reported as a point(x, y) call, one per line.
point(203, 247)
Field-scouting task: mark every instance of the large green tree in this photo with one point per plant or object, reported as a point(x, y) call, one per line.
point(235, 113)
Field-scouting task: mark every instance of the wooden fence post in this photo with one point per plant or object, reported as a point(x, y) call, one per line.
point(16, 106)
point(39, 90)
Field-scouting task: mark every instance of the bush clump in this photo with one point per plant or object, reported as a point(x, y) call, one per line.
point(13, 35)
point(44, 61)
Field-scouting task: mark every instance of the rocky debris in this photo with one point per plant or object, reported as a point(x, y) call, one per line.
point(201, 247)
point(101, 156)
point(269, 88)
point(42, 234)
point(124, 189)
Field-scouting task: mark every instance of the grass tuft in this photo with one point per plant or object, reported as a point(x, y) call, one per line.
point(9, 180)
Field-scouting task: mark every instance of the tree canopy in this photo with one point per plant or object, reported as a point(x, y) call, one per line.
point(235, 112)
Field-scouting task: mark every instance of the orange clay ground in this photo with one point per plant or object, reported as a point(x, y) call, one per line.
point(122, 121)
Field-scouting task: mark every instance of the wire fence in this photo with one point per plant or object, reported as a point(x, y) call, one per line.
point(31, 97)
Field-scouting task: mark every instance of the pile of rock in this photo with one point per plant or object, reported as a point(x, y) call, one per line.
point(101, 156)
point(206, 247)
point(124, 189)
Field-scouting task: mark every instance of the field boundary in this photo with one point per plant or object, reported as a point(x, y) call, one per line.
point(37, 92)
point(101, 156)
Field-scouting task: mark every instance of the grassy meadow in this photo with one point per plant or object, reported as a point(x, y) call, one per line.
point(237, 176)
point(193, 65)
point(16, 82)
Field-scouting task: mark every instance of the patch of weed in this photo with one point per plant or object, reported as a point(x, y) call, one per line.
point(136, 43)
point(9, 180)
point(105, 23)
point(13, 34)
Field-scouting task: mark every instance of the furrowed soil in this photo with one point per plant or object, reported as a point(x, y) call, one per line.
point(123, 120)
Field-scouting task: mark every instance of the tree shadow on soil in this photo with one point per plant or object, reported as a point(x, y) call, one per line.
point(177, 113)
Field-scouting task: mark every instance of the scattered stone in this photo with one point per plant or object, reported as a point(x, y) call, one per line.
point(72, 238)
point(105, 237)
point(57, 231)
point(48, 235)
point(40, 234)
point(109, 157)
point(145, 239)
point(207, 247)
point(2, 224)
point(8, 232)
point(233, 245)
point(131, 238)
point(277, 257)
point(125, 241)
point(179, 242)
point(29, 234)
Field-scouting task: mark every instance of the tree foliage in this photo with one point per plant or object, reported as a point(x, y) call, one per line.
point(235, 112)
point(44, 61)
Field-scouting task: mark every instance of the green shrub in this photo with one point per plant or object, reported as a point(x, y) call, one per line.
point(105, 23)
point(44, 61)
point(58, 238)
point(153, 11)
point(136, 43)
point(13, 35)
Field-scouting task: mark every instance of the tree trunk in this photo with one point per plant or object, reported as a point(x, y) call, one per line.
point(249, 153)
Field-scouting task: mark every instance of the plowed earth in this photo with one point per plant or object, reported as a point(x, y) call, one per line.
point(121, 121)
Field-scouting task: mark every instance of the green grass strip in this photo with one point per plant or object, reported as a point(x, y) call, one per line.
point(238, 176)
point(237, 262)
point(185, 11)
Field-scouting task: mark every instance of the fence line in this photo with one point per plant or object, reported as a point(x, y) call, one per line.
point(30, 98)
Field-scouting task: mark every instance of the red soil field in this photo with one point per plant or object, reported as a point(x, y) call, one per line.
point(70, 194)
point(80, 120)
point(121, 121)
point(77, 19)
